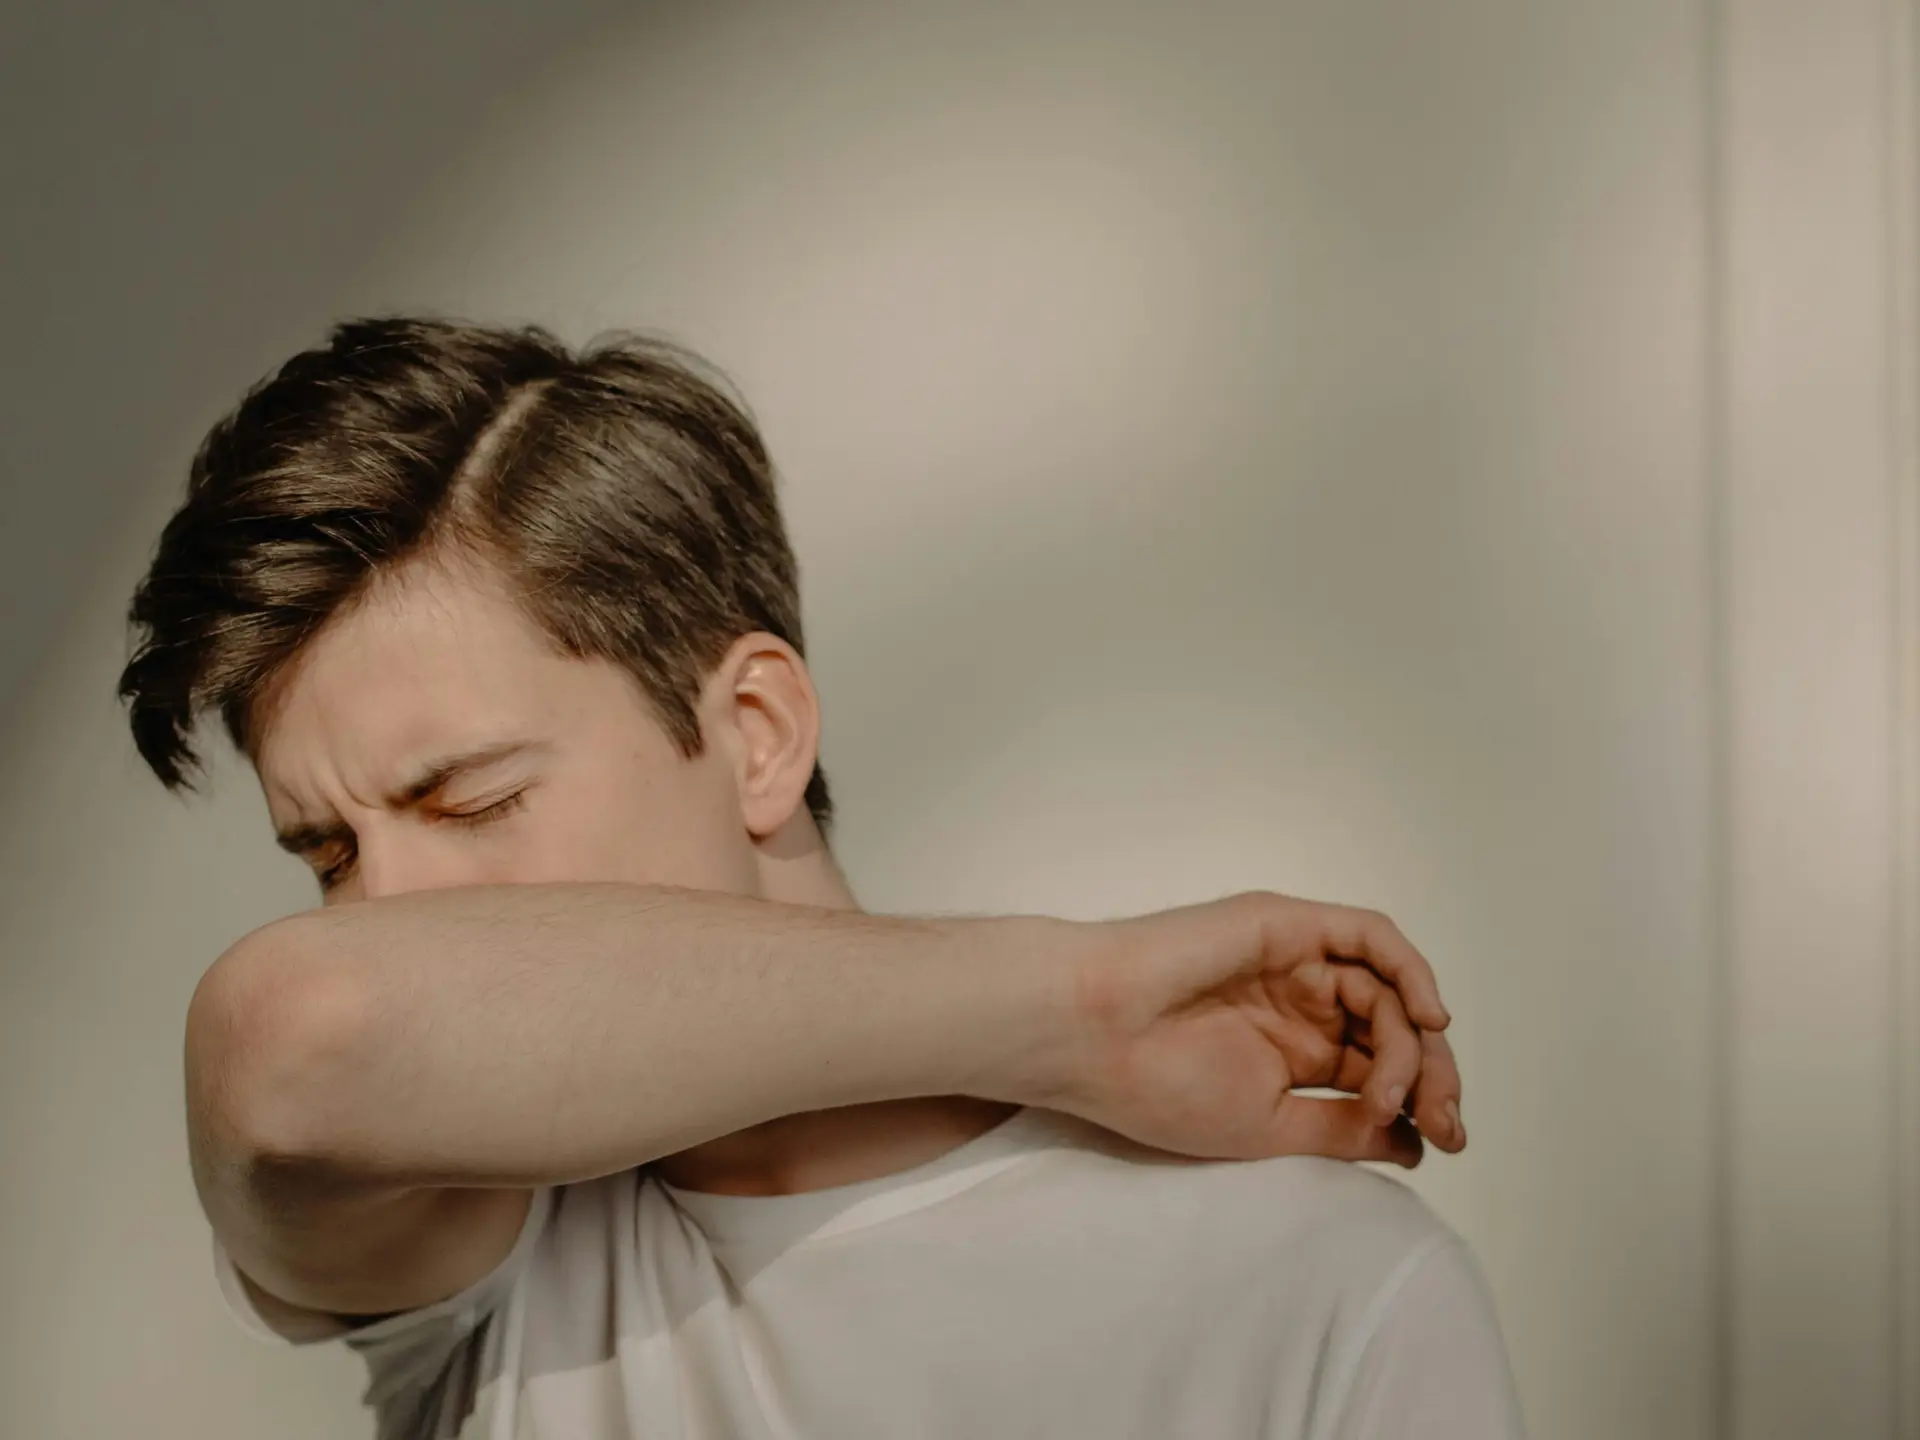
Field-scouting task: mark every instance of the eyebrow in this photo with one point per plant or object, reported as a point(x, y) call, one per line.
point(304, 839)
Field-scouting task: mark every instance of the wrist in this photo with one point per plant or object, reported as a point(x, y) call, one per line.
point(1039, 975)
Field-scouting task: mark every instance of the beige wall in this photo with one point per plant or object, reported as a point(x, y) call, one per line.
point(1435, 456)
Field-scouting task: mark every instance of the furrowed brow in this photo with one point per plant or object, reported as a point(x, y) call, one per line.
point(304, 840)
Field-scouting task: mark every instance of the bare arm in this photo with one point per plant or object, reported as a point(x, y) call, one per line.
point(373, 1088)
point(542, 1034)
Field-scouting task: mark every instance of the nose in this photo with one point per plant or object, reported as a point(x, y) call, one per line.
point(398, 858)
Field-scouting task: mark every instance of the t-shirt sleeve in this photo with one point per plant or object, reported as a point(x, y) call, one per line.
point(460, 1311)
point(1434, 1366)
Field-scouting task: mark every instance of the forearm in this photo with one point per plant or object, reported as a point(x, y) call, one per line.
point(545, 1034)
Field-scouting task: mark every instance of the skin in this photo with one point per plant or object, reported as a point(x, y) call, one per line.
point(562, 773)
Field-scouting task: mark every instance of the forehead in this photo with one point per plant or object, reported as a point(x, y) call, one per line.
point(431, 658)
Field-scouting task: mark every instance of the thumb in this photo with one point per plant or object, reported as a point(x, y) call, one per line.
point(1342, 1129)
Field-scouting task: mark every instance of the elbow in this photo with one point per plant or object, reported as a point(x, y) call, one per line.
point(264, 1022)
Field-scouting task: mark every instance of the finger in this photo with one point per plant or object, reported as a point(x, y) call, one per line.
point(1391, 1036)
point(1318, 984)
point(1342, 1130)
point(1371, 938)
point(1355, 1065)
point(1435, 1100)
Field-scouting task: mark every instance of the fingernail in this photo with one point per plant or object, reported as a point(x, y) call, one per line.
point(1453, 1119)
point(1395, 1098)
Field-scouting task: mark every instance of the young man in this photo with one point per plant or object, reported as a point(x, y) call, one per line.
point(590, 1105)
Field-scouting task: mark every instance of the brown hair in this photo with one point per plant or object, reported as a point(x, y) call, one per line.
point(620, 487)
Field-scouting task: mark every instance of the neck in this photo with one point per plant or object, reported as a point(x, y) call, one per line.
point(822, 1148)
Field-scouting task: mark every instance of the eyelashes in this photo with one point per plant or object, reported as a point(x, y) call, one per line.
point(487, 814)
point(333, 875)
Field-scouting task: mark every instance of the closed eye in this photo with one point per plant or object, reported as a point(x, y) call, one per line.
point(335, 874)
point(487, 814)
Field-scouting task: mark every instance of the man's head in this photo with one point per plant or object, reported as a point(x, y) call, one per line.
point(480, 608)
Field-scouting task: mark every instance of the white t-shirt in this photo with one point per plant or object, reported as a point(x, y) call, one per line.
point(1046, 1279)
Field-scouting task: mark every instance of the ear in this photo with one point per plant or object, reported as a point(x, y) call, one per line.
point(761, 703)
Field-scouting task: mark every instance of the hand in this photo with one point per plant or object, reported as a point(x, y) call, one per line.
point(1201, 1023)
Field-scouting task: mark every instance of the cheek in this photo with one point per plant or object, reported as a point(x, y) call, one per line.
point(678, 829)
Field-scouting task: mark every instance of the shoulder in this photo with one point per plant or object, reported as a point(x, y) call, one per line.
point(1286, 1201)
point(1365, 1302)
point(1369, 1199)
point(1350, 1235)
point(1323, 1242)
